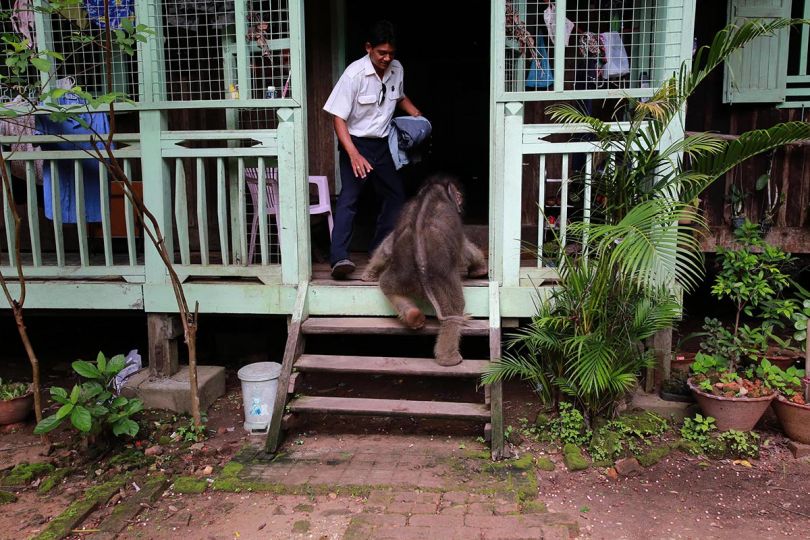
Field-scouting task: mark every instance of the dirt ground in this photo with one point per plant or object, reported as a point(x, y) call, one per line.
point(680, 497)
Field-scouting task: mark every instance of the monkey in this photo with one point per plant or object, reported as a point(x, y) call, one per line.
point(421, 257)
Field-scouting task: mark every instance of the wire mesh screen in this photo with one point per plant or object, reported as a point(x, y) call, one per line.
point(203, 48)
point(78, 34)
point(608, 44)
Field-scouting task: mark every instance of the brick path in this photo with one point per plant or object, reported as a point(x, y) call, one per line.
point(360, 487)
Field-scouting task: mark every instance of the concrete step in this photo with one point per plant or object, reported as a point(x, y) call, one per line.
point(173, 393)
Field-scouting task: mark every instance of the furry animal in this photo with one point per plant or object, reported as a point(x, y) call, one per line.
point(421, 259)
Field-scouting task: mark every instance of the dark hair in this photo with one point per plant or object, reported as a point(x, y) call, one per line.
point(382, 32)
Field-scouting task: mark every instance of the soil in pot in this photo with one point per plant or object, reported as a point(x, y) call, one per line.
point(794, 417)
point(16, 410)
point(740, 413)
point(781, 359)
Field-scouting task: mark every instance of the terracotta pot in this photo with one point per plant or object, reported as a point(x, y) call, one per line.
point(681, 361)
point(741, 414)
point(17, 409)
point(795, 419)
point(782, 360)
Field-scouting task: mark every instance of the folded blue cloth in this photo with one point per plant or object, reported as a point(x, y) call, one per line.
point(406, 134)
point(540, 73)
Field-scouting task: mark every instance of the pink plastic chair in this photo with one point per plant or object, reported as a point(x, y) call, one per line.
point(322, 206)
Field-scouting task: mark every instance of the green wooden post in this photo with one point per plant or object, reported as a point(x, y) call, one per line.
point(496, 389)
point(294, 202)
point(512, 180)
point(157, 194)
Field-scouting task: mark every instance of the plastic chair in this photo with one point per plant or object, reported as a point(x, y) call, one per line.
point(322, 206)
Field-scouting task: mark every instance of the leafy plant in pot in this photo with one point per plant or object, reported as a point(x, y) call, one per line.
point(790, 405)
point(726, 384)
point(16, 401)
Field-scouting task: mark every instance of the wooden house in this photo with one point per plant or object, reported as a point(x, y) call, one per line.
point(227, 105)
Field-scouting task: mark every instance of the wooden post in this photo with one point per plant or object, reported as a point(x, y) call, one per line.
point(496, 389)
point(164, 330)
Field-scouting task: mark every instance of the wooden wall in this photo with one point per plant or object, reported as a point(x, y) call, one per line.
point(320, 134)
point(791, 165)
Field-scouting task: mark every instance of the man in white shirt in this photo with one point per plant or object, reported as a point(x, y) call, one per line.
point(362, 104)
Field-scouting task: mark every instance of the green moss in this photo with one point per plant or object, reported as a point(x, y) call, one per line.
point(6, 497)
point(717, 449)
point(189, 484)
point(523, 463)
point(545, 464)
point(164, 440)
point(232, 468)
point(542, 421)
point(304, 508)
point(654, 456)
point(53, 479)
point(131, 459)
point(301, 526)
point(607, 444)
point(647, 423)
point(533, 507)
point(573, 458)
point(25, 473)
point(478, 454)
point(688, 447)
point(62, 524)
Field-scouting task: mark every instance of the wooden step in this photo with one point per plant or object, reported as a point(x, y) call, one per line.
point(388, 365)
point(384, 326)
point(390, 407)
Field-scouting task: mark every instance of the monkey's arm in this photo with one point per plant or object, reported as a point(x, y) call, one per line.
point(474, 260)
point(379, 260)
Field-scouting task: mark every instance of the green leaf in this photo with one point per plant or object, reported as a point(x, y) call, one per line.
point(101, 362)
point(75, 393)
point(47, 424)
point(116, 364)
point(125, 426)
point(762, 181)
point(86, 369)
point(59, 394)
point(81, 419)
point(120, 401)
point(134, 406)
point(42, 64)
point(64, 410)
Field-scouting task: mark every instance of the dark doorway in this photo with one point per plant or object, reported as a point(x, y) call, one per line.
point(446, 64)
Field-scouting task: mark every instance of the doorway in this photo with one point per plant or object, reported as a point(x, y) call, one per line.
point(446, 64)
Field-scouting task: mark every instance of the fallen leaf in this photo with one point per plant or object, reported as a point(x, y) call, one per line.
point(743, 462)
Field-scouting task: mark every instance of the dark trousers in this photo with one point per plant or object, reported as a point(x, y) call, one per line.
point(387, 185)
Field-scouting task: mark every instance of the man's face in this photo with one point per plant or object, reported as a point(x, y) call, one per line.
point(381, 55)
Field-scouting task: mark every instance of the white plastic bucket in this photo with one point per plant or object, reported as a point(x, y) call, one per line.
point(259, 385)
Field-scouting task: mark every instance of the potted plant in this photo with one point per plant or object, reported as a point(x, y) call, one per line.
point(16, 401)
point(790, 405)
point(736, 198)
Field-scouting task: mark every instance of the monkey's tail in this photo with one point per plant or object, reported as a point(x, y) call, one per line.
point(421, 264)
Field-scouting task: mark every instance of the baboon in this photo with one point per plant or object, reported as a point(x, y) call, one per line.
point(421, 258)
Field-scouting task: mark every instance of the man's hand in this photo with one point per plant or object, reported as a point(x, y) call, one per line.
point(360, 165)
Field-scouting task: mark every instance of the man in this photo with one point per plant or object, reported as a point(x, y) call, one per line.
point(362, 104)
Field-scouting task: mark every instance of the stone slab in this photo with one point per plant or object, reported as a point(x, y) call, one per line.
point(799, 450)
point(130, 507)
point(173, 393)
point(671, 410)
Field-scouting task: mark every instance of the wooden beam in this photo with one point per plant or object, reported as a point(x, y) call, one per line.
point(388, 365)
point(390, 407)
point(163, 347)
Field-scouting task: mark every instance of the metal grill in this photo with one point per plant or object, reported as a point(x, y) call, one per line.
point(221, 49)
point(78, 34)
point(602, 45)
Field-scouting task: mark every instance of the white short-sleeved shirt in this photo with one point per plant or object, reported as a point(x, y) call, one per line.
point(356, 98)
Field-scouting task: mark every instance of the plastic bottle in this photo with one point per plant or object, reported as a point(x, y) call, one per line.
point(271, 93)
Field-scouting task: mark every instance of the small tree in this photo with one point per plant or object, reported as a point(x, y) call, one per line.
point(20, 57)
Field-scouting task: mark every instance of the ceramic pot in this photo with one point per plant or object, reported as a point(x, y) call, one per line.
point(795, 419)
point(781, 360)
point(681, 361)
point(16, 410)
point(741, 414)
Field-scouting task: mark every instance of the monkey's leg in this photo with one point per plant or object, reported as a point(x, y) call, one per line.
point(474, 260)
point(379, 260)
point(450, 297)
point(406, 309)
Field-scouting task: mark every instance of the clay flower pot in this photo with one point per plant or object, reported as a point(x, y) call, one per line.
point(795, 419)
point(16, 410)
point(741, 414)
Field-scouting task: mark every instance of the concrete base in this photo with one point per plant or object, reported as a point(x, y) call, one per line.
point(173, 393)
point(674, 410)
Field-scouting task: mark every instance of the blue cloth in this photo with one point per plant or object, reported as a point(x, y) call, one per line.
point(406, 133)
point(540, 73)
point(118, 9)
point(65, 168)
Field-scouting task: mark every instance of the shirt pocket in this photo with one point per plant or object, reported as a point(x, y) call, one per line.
point(368, 99)
point(393, 94)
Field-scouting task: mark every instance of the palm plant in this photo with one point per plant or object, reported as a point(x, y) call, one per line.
point(586, 342)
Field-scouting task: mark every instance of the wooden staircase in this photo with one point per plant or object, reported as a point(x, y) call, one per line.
point(296, 362)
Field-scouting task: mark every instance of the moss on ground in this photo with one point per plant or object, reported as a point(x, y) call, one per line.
point(6, 497)
point(301, 526)
point(523, 463)
point(545, 464)
point(573, 458)
point(189, 484)
point(53, 479)
point(62, 524)
point(130, 459)
point(478, 454)
point(533, 507)
point(25, 473)
point(655, 455)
